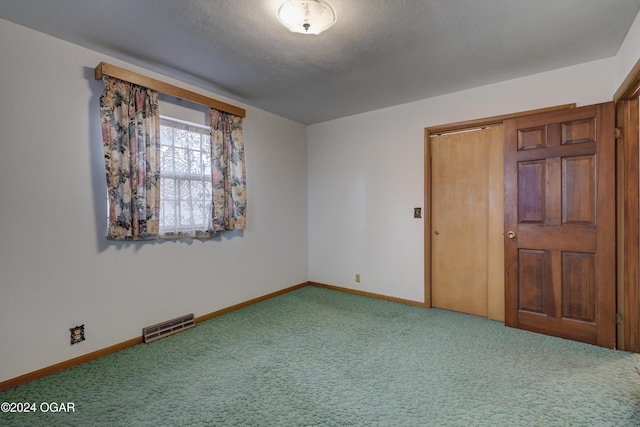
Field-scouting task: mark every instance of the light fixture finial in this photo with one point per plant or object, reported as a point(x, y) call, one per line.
point(307, 16)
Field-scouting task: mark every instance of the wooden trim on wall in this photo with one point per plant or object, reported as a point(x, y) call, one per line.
point(620, 202)
point(427, 218)
point(628, 144)
point(368, 294)
point(628, 205)
point(248, 303)
point(630, 87)
point(468, 124)
point(49, 370)
point(454, 127)
point(104, 69)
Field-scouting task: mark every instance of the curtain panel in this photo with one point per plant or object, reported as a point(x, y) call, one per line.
point(228, 174)
point(130, 134)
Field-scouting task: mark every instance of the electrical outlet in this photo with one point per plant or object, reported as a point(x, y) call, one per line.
point(357, 277)
point(77, 334)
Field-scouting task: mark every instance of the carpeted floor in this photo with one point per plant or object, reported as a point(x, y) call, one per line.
point(325, 358)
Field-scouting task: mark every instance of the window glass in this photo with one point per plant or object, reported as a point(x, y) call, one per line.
point(185, 177)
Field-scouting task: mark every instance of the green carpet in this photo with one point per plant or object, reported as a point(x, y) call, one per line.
point(315, 357)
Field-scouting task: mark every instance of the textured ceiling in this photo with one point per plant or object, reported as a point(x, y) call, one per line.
point(380, 52)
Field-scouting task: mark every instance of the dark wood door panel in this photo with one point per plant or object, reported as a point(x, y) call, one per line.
point(534, 281)
point(578, 131)
point(556, 151)
point(579, 190)
point(566, 130)
point(563, 328)
point(578, 286)
point(568, 237)
point(533, 197)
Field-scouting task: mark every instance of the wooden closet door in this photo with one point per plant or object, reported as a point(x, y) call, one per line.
point(467, 220)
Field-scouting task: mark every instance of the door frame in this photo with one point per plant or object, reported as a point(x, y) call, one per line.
point(628, 211)
point(456, 127)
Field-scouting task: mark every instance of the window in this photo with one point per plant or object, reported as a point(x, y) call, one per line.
point(185, 178)
point(191, 176)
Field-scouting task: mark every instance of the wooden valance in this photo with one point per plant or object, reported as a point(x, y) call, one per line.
point(104, 69)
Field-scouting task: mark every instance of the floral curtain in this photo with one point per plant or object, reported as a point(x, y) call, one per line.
point(130, 134)
point(228, 172)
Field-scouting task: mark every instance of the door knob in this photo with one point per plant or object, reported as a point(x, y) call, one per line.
point(437, 232)
point(511, 234)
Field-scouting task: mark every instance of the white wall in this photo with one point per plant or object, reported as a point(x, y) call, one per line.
point(629, 53)
point(56, 268)
point(366, 174)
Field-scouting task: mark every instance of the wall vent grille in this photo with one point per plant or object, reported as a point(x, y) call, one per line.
point(170, 327)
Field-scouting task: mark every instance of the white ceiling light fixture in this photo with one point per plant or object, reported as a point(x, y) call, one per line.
point(307, 16)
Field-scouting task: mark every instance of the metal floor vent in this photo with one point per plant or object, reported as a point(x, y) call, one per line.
point(170, 327)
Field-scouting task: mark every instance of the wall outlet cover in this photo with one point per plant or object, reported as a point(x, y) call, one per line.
point(77, 334)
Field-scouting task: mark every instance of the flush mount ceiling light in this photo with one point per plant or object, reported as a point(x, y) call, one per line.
point(307, 16)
